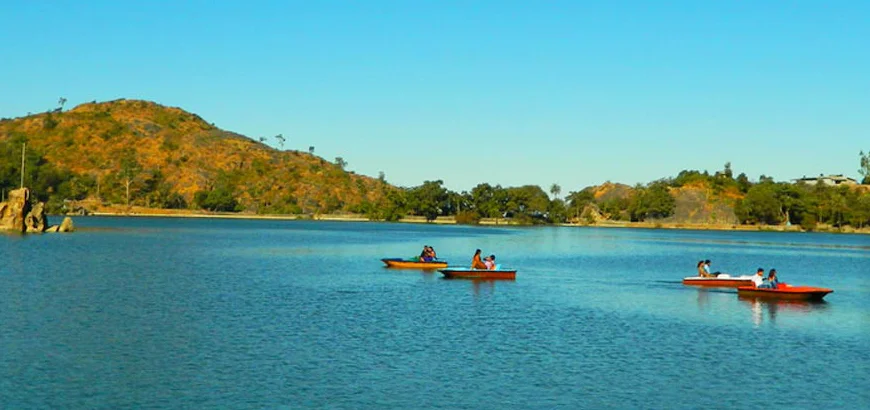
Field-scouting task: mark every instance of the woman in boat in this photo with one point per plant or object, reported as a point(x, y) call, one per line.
point(772, 281)
point(701, 271)
point(476, 263)
point(428, 254)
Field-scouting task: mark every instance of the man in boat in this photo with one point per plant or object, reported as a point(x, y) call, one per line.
point(758, 279)
point(476, 263)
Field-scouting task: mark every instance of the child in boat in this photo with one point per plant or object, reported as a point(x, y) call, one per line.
point(758, 279)
point(476, 263)
point(701, 271)
point(489, 261)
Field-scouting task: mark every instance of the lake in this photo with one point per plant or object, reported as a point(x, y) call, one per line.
point(220, 313)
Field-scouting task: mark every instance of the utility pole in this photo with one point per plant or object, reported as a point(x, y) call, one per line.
point(23, 150)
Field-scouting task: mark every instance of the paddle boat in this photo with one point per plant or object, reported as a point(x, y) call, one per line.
point(784, 291)
point(468, 273)
point(723, 280)
point(413, 263)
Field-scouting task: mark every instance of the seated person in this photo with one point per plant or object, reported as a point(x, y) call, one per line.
point(701, 271)
point(476, 263)
point(428, 254)
point(489, 261)
point(758, 278)
point(707, 269)
point(772, 281)
point(432, 253)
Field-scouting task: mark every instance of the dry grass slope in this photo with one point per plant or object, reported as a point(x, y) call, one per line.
point(192, 155)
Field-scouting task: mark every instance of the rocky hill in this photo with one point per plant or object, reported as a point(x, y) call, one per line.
point(161, 152)
point(696, 203)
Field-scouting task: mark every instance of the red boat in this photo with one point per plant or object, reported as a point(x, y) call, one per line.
point(413, 264)
point(721, 281)
point(784, 291)
point(469, 273)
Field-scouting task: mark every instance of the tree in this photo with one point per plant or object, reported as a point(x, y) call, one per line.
point(428, 199)
point(130, 169)
point(577, 201)
point(281, 140)
point(262, 140)
point(727, 171)
point(760, 205)
point(555, 189)
point(340, 162)
point(382, 177)
point(60, 103)
point(311, 149)
point(865, 167)
point(654, 201)
point(743, 183)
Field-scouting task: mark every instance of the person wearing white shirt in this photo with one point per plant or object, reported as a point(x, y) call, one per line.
point(758, 279)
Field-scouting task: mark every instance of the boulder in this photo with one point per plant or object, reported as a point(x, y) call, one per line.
point(35, 220)
point(66, 225)
point(14, 211)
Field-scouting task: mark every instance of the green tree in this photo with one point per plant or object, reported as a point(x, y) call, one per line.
point(865, 166)
point(760, 205)
point(654, 201)
point(340, 162)
point(428, 199)
point(555, 189)
point(129, 173)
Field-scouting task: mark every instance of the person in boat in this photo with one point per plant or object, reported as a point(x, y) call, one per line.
point(476, 262)
point(772, 282)
point(427, 254)
point(707, 270)
point(432, 253)
point(758, 278)
point(489, 261)
point(701, 271)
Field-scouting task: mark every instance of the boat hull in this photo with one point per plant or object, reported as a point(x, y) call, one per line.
point(787, 293)
point(729, 282)
point(406, 264)
point(454, 273)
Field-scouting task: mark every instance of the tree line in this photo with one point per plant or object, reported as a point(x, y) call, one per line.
point(763, 202)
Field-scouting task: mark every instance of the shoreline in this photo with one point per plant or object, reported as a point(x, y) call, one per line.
point(150, 213)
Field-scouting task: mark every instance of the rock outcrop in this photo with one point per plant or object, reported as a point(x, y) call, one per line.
point(35, 220)
point(19, 215)
point(14, 211)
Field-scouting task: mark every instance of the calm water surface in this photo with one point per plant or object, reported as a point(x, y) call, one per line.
point(182, 313)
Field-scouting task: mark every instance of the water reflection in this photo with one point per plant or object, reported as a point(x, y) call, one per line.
point(775, 307)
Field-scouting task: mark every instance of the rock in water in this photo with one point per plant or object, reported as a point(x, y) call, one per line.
point(35, 220)
point(14, 210)
point(66, 225)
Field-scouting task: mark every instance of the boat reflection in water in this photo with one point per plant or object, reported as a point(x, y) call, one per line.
point(774, 307)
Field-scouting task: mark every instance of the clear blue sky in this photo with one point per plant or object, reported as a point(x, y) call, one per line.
point(504, 92)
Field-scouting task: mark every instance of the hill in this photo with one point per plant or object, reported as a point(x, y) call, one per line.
point(698, 202)
point(141, 153)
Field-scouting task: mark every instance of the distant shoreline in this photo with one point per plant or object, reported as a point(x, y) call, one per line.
point(449, 220)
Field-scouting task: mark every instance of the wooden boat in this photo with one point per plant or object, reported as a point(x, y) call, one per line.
point(468, 273)
point(413, 264)
point(724, 280)
point(784, 291)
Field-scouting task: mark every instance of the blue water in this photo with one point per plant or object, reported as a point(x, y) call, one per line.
point(190, 313)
